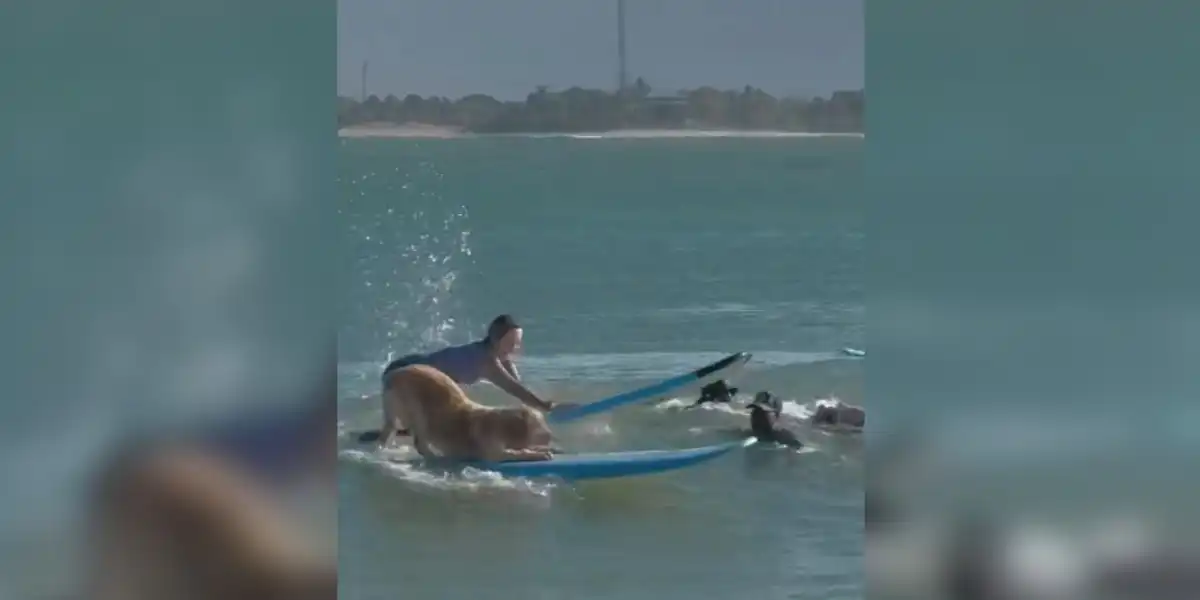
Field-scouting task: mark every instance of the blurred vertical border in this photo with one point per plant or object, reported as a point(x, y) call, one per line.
point(167, 241)
point(1034, 313)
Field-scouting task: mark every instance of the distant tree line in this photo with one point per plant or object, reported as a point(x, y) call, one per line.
point(583, 110)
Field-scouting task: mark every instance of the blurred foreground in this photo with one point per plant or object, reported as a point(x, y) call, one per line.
point(1025, 521)
point(234, 513)
point(165, 259)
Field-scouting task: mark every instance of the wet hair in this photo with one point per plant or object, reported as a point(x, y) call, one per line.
point(825, 416)
point(500, 326)
point(717, 391)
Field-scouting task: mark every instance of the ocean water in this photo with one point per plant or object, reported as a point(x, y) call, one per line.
point(627, 261)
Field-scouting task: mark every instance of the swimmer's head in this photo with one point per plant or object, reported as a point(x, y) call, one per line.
point(841, 415)
point(504, 336)
point(825, 415)
point(855, 417)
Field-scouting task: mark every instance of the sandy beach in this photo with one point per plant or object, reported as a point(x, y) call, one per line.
point(404, 131)
point(701, 133)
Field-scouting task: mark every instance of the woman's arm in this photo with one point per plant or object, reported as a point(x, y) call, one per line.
point(511, 368)
point(497, 373)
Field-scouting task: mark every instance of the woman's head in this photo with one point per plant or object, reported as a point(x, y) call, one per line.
point(504, 336)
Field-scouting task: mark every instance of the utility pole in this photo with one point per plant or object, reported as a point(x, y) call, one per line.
point(622, 74)
point(363, 91)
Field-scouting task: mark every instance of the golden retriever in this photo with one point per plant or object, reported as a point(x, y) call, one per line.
point(445, 423)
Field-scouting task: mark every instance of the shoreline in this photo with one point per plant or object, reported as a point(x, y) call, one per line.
point(421, 131)
point(404, 131)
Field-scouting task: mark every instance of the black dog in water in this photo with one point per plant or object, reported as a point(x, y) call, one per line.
point(717, 392)
point(764, 412)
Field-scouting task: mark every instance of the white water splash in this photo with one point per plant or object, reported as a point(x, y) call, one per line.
point(412, 256)
point(394, 462)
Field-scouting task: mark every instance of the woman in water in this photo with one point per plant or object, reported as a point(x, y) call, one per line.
point(490, 358)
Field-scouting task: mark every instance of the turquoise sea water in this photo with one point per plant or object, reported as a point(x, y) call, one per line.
point(627, 261)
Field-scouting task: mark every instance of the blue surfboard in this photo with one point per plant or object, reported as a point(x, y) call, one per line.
point(605, 465)
point(572, 413)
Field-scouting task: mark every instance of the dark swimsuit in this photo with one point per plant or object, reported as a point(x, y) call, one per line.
point(464, 364)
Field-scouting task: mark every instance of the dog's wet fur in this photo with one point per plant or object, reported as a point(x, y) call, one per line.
point(841, 416)
point(764, 412)
point(445, 423)
point(717, 392)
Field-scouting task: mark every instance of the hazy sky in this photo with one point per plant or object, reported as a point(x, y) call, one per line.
point(508, 47)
